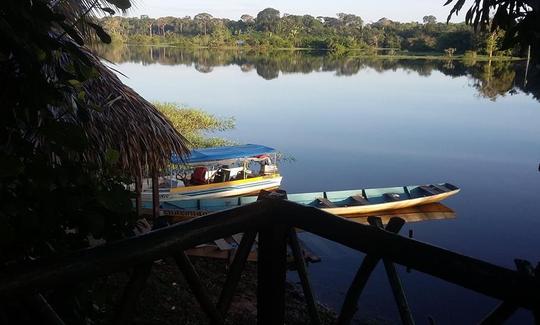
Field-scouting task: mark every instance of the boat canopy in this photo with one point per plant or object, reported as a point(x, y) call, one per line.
point(223, 153)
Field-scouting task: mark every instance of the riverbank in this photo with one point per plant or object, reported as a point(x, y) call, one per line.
point(167, 298)
point(353, 53)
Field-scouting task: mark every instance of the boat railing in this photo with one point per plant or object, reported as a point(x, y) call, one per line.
point(274, 220)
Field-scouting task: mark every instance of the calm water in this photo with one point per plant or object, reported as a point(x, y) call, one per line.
point(352, 123)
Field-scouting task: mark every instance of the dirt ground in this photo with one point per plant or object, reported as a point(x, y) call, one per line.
point(167, 298)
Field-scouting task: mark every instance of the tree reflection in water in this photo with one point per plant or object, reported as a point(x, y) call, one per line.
point(491, 79)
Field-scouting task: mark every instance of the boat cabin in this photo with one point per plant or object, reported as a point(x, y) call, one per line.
point(221, 172)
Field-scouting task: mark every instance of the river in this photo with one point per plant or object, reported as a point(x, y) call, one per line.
point(352, 122)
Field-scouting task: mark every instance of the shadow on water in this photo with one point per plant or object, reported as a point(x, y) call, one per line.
point(491, 79)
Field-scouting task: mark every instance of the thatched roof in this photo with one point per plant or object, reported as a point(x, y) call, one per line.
point(124, 121)
point(128, 123)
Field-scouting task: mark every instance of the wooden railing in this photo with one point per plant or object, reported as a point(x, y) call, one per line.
point(274, 219)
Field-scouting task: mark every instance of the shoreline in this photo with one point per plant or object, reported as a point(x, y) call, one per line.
point(353, 53)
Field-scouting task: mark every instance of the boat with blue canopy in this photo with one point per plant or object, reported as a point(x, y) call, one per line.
point(218, 172)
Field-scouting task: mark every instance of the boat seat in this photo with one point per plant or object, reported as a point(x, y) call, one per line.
point(429, 190)
point(199, 176)
point(359, 200)
point(391, 197)
point(441, 188)
point(325, 202)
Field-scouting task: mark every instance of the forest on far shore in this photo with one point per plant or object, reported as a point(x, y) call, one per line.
point(270, 29)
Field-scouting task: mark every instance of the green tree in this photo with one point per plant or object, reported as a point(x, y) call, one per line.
point(196, 124)
point(268, 20)
point(429, 19)
point(47, 183)
point(518, 18)
point(203, 19)
point(493, 42)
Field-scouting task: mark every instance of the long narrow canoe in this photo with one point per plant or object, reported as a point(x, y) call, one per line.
point(342, 203)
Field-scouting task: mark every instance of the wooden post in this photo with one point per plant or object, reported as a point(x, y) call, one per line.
point(271, 275)
point(304, 278)
point(155, 194)
point(138, 193)
point(271, 268)
point(362, 275)
point(131, 293)
point(235, 270)
point(527, 66)
point(194, 282)
point(355, 290)
point(395, 283)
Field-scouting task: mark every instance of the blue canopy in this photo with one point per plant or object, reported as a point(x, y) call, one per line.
point(223, 153)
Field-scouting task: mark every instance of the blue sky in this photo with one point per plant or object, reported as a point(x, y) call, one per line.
point(400, 10)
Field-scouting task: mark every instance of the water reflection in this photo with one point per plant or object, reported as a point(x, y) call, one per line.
point(491, 79)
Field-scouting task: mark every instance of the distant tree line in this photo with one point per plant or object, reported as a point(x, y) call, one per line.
point(492, 78)
point(270, 29)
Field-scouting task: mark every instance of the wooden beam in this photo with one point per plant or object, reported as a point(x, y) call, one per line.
point(235, 270)
point(362, 275)
point(506, 309)
point(194, 282)
point(474, 274)
point(485, 278)
point(123, 254)
point(132, 292)
point(395, 283)
point(303, 275)
point(355, 290)
point(45, 311)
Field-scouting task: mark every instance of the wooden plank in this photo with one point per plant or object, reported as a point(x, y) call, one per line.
point(359, 200)
point(222, 244)
point(237, 238)
point(325, 202)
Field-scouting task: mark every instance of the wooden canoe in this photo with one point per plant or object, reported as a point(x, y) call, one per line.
point(349, 203)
